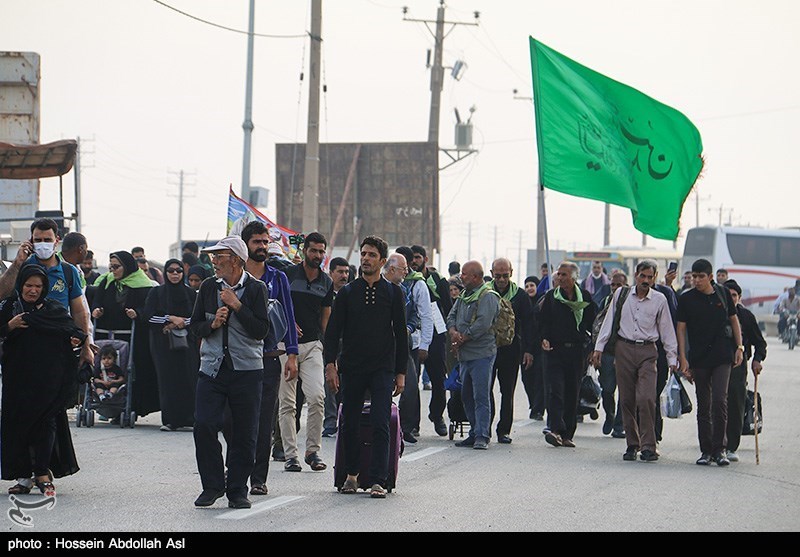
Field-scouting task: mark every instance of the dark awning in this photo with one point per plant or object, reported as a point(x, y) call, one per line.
point(28, 162)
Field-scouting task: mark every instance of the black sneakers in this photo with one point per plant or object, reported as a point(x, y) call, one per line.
point(648, 455)
point(704, 460)
point(630, 454)
point(721, 459)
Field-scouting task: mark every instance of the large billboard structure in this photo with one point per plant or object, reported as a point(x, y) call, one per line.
point(19, 124)
point(386, 189)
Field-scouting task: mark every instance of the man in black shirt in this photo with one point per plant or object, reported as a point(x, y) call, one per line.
point(566, 320)
point(369, 319)
point(737, 385)
point(708, 313)
point(312, 297)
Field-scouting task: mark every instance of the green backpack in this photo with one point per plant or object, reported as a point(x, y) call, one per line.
point(503, 326)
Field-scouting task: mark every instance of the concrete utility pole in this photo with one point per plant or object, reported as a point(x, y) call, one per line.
point(248, 106)
point(607, 226)
point(437, 83)
point(311, 173)
point(77, 171)
point(181, 183)
point(541, 234)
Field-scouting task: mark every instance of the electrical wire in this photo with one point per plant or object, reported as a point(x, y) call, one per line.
point(268, 36)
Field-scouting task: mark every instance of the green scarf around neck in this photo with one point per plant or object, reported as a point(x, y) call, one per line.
point(510, 293)
point(577, 306)
point(136, 279)
point(413, 275)
point(475, 294)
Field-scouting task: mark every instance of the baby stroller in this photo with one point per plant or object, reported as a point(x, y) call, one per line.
point(118, 406)
point(455, 404)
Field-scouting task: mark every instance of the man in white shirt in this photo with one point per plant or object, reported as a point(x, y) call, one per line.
point(643, 319)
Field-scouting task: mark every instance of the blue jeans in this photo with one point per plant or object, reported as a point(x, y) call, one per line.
point(476, 376)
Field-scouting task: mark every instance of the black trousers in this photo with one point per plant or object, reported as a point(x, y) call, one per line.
point(505, 370)
point(437, 371)
point(737, 394)
point(564, 369)
point(409, 404)
point(241, 390)
point(266, 421)
point(354, 388)
point(711, 388)
point(533, 380)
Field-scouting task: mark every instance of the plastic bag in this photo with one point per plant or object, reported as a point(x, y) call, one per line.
point(453, 380)
point(671, 398)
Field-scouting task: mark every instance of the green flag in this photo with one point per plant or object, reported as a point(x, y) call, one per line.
point(601, 139)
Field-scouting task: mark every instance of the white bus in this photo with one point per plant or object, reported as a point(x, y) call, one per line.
point(624, 259)
point(763, 262)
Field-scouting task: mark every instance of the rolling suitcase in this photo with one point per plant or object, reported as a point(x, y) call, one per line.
point(365, 442)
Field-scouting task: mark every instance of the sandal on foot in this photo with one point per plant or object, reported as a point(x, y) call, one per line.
point(19, 489)
point(377, 492)
point(350, 486)
point(315, 462)
point(47, 488)
point(259, 490)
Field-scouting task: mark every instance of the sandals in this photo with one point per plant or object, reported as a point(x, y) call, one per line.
point(315, 462)
point(19, 489)
point(350, 486)
point(377, 492)
point(47, 488)
point(259, 490)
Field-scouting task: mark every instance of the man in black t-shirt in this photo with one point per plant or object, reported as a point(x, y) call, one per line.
point(312, 297)
point(708, 313)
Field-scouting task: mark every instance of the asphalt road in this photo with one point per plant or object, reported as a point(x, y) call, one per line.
point(145, 480)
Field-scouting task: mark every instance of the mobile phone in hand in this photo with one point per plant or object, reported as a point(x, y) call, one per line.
point(673, 266)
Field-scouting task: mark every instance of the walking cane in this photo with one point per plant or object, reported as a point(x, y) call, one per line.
point(756, 416)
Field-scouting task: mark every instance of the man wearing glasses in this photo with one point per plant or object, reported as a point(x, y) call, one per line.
point(508, 359)
point(230, 316)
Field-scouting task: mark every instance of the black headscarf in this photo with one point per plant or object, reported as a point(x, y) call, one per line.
point(43, 314)
point(28, 271)
point(128, 262)
point(198, 270)
point(177, 300)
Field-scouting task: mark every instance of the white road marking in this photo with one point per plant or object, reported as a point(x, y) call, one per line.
point(239, 514)
point(416, 455)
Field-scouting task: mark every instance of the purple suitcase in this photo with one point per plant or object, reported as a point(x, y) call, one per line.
point(365, 441)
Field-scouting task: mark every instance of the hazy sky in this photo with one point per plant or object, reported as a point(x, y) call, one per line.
point(158, 92)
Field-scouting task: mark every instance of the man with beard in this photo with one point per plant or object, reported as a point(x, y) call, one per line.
point(439, 290)
point(370, 323)
point(312, 296)
point(256, 236)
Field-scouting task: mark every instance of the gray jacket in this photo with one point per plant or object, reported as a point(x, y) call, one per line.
point(475, 320)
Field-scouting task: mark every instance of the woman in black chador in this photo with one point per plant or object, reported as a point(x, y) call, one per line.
point(174, 348)
point(39, 377)
point(118, 303)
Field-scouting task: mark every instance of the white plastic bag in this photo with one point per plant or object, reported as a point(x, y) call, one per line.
point(671, 398)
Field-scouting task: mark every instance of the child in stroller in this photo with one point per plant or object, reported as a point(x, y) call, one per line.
point(109, 377)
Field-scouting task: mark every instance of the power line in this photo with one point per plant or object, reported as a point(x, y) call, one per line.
point(230, 28)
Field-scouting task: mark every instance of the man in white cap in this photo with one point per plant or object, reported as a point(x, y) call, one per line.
point(230, 316)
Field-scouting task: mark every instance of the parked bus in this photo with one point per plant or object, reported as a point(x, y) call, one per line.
point(625, 259)
point(763, 262)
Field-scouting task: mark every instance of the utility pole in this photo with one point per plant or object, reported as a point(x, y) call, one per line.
point(311, 173)
point(437, 83)
point(181, 176)
point(541, 233)
point(248, 108)
point(80, 165)
point(469, 240)
point(607, 226)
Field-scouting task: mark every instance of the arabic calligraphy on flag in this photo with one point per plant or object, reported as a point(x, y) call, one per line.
point(601, 139)
point(240, 213)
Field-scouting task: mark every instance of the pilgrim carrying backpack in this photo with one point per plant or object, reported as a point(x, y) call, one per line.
point(503, 326)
